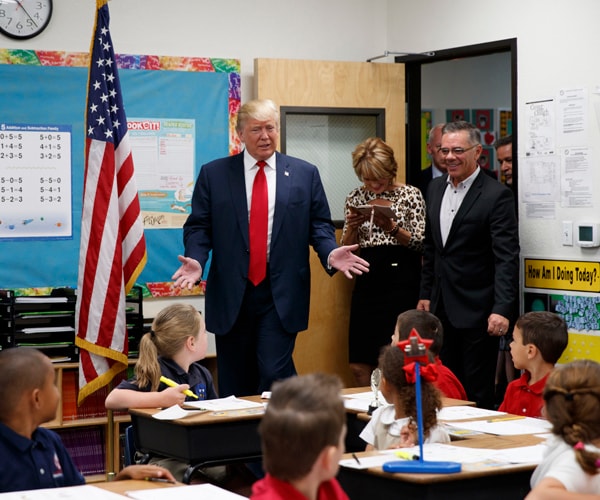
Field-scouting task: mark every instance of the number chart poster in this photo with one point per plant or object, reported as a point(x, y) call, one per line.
point(35, 181)
point(47, 92)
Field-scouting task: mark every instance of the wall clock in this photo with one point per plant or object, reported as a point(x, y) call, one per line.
point(22, 19)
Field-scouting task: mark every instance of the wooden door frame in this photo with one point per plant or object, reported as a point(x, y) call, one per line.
point(412, 65)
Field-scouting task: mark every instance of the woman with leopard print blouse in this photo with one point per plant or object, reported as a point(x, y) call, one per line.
point(392, 246)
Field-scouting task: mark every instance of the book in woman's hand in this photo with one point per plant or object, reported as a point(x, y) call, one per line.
point(366, 210)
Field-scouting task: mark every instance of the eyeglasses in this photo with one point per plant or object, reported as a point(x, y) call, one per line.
point(456, 151)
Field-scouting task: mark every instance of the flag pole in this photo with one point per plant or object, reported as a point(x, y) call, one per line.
point(110, 437)
point(112, 250)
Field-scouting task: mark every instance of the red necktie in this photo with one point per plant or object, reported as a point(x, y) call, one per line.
point(259, 222)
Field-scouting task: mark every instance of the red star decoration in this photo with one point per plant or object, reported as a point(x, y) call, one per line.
point(405, 346)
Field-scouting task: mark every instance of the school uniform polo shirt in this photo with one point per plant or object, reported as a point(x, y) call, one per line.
point(271, 488)
point(31, 464)
point(521, 398)
point(197, 377)
point(448, 383)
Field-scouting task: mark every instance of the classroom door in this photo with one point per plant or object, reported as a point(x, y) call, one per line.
point(327, 84)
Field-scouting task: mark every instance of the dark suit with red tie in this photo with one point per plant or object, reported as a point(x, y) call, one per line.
point(256, 327)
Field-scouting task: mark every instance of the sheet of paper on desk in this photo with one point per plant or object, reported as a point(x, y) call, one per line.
point(356, 404)
point(466, 412)
point(501, 427)
point(225, 404)
point(173, 413)
point(522, 455)
point(449, 453)
point(360, 401)
point(67, 493)
point(189, 492)
point(369, 461)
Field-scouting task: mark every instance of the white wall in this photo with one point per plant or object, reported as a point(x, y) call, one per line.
point(470, 82)
point(339, 30)
point(557, 47)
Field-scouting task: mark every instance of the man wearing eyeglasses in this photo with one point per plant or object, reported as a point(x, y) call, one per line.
point(470, 275)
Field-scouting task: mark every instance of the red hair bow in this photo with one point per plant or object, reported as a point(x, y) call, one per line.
point(428, 372)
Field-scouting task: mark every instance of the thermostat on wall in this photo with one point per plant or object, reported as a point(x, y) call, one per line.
point(588, 234)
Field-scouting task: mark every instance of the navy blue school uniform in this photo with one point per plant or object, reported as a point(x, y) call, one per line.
point(198, 378)
point(32, 464)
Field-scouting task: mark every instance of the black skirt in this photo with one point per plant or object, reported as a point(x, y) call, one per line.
point(390, 287)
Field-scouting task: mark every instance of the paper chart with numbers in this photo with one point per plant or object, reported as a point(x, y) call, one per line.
point(35, 181)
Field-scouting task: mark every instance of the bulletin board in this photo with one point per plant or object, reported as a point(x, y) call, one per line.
point(50, 88)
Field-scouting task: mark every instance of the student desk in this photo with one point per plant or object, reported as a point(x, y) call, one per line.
point(209, 438)
point(182, 491)
point(125, 485)
point(506, 482)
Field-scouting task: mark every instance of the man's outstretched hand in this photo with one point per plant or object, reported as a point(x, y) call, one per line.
point(188, 274)
point(343, 259)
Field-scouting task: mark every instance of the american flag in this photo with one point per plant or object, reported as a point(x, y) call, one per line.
point(113, 249)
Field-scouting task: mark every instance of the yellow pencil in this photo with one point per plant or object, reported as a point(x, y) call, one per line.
point(171, 383)
point(503, 419)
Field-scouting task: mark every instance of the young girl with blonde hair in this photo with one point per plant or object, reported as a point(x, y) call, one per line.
point(173, 347)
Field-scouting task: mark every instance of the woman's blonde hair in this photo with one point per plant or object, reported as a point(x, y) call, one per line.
point(170, 330)
point(374, 159)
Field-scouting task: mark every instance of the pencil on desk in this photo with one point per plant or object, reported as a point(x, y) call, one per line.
point(504, 419)
point(405, 455)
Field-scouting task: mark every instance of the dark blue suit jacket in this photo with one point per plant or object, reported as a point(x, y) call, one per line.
point(219, 222)
point(477, 271)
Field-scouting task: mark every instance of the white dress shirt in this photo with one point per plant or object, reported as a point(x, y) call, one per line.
point(451, 202)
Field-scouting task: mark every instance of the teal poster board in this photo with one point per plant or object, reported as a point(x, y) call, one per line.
point(56, 95)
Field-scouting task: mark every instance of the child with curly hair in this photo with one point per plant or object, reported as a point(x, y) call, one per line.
point(570, 466)
point(395, 425)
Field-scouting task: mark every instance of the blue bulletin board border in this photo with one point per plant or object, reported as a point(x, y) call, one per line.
point(50, 87)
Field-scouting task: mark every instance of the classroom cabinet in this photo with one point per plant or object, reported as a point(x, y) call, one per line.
point(47, 322)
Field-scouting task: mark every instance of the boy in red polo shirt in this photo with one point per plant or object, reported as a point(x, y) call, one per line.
point(302, 434)
point(539, 339)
